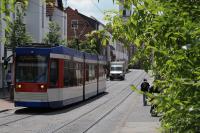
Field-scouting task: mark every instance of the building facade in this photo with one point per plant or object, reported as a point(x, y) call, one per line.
point(38, 16)
point(126, 13)
point(79, 25)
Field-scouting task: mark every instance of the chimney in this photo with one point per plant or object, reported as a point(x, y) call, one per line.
point(76, 10)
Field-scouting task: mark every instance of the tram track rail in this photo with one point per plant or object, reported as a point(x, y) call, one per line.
point(109, 111)
point(22, 117)
point(64, 124)
point(118, 83)
point(78, 118)
point(17, 117)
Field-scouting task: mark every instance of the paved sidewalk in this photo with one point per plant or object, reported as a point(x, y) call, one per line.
point(140, 120)
point(6, 104)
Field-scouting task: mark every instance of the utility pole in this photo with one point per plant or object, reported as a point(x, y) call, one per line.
point(76, 36)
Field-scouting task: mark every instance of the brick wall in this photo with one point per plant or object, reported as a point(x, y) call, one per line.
point(85, 24)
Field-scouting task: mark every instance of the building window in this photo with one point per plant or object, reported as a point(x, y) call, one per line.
point(50, 18)
point(74, 24)
point(124, 13)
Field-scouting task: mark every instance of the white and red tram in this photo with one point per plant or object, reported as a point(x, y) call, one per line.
point(56, 76)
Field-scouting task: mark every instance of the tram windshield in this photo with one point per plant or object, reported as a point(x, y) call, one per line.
point(31, 69)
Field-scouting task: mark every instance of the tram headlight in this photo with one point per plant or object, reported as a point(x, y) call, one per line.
point(19, 86)
point(42, 86)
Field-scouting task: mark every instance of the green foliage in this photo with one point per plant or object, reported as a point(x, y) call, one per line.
point(4, 8)
point(98, 39)
point(94, 43)
point(17, 35)
point(88, 47)
point(54, 35)
point(84, 46)
point(74, 43)
point(161, 30)
point(11, 29)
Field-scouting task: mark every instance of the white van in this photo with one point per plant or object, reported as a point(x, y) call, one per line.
point(117, 70)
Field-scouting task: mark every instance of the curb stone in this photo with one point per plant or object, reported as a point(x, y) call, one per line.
point(4, 110)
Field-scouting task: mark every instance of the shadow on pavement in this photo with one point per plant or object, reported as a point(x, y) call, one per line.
point(49, 111)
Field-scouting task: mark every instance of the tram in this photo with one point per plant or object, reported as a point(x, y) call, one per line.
point(53, 77)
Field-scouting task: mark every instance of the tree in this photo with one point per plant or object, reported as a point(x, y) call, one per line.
point(73, 43)
point(97, 40)
point(7, 7)
point(18, 35)
point(94, 42)
point(54, 35)
point(167, 34)
point(84, 46)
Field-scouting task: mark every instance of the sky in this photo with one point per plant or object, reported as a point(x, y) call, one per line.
point(92, 7)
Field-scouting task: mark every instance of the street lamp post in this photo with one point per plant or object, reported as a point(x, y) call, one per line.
point(76, 36)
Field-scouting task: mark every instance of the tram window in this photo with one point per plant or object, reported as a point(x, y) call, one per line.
point(71, 77)
point(81, 73)
point(101, 71)
point(79, 66)
point(73, 73)
point(71, 65)
point(96, 71)
point(91, 72)
point(54, 73)
point(77, 73)
point(31, 69)
point(66, 74)
point(86, 72)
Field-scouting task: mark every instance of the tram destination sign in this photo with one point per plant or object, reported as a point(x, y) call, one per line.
point(32, 58)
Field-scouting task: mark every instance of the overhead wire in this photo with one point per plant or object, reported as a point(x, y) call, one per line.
point(97, 7)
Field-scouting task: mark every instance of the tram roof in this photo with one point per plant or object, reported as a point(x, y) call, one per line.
point(45, 51)
point(66, 51)
point(102, 58)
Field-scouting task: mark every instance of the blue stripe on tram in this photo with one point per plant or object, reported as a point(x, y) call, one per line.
point(33, 104)
point(55, 104)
